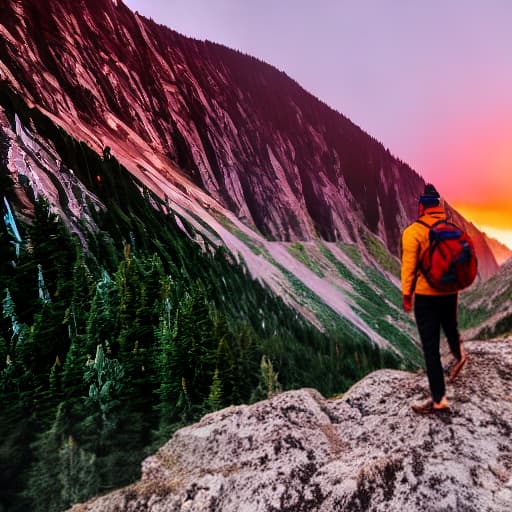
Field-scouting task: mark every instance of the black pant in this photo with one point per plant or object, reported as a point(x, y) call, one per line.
point(433, 312)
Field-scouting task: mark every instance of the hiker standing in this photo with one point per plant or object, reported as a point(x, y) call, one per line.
point(433, 308)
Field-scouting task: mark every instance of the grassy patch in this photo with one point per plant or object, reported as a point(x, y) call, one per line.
point(204, 224)
point(329, 318)
point(469, 317)
point(381, 254)
point(298, 251)
point(343, 271)
point(391, 292)
point(374, 314)
point(376, 305)
point(502, 327)
point(352, 251)
point(253, 245)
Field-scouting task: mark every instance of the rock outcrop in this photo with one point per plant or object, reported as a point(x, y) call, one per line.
point(488, 307)
point(363, 451)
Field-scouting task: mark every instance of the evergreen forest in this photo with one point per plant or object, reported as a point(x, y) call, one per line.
point(114, 337)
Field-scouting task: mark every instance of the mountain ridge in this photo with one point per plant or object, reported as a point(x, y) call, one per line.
point(501, 251)
point(37, 171)
point(245, 133)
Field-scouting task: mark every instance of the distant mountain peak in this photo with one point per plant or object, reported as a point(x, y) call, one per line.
point(501, 252)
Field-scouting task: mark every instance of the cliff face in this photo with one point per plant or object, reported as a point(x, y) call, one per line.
point(175, 109)
point(365, 451)
point(501, 252)
point(487, 309)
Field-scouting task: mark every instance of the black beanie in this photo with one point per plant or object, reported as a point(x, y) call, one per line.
point(430, 196)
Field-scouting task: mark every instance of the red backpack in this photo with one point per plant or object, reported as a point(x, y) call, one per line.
point(449, 264)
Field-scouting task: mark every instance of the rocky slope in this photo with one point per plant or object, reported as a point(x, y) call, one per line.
point(501, 252)
point(364, 451)
point(328, 283)
point(487, 309)
point(189, 117)
point(230, 144)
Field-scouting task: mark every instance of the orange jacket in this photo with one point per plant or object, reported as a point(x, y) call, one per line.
point(414, 243)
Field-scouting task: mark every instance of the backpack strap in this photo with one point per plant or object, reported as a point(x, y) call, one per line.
point(434, 224)
point(420, 256)
point(423, 223)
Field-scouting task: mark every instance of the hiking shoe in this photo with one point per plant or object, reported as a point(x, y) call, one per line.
point(458, 367)
point(431, 407)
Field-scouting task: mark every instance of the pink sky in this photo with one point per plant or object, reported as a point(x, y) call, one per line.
point(431, 80)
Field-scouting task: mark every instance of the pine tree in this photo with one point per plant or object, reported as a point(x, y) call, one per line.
point(169, 394)
point(105, 379)
point(48, 243)
point(72, 378)
point(44, 486)
point(83, 290)
point(150, 296)
point(17, 330)
point(135, 278)
point(190, 354)
point(215, 401)
point(236, 361)
point(128, 285)
point(54, 387)
point(78, 475)
point(269, 377)
point(102, 321)
point(46, 340)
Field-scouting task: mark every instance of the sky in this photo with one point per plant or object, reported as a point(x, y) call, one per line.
point(430, 80)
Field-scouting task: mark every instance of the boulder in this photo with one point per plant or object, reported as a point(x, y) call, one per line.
point(363, 451)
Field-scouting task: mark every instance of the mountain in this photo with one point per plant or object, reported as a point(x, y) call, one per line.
point(501, 252)
point(122, 322)
point(331, 284)
point(183, 229)
point(364, 451)
point(232, 145)
point(188, 117)
point(486, 310)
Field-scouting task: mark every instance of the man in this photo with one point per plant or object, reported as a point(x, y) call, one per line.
point(433, 309)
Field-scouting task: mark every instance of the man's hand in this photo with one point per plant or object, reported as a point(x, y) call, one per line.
point(407, 303)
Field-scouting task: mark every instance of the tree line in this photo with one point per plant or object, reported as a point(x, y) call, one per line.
point(111, 341)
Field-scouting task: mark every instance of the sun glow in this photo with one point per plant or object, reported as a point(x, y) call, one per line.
point(495, 220)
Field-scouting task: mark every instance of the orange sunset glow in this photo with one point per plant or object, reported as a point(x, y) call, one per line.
point(492, 220)
point(470, 161)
